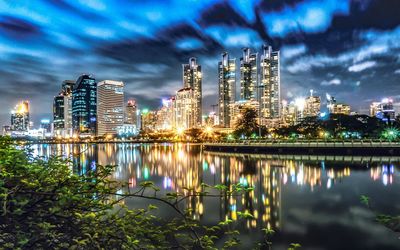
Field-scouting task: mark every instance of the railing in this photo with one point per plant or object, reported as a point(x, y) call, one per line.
point(309, 143)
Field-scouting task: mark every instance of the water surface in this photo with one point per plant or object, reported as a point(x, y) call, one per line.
point(311, 200)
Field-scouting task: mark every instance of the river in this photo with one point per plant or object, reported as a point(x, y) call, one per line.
point(310, 200)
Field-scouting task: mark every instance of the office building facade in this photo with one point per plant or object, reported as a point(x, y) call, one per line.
point(110, 107)
point(227, 89)
point(84, 106)
point(192, 78)
point(270, 84)
point(248, 75)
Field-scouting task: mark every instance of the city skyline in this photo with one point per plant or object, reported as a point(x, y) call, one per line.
point(344, 48)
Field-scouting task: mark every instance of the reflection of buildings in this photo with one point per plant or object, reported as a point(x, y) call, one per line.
point(179, 167)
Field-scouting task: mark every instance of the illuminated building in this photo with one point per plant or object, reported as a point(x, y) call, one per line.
point(340, 108)
point(110, 107)
point(62, 110)
point(374, 108)
point(165, 115)
point(131, 113)
point(238, 107)
point(248, 75)
point(84, 106)
point(312, 105)
point(211, 119)
point(337, 108)
point(383, 110)
point(227, 90)
point(289, 113)
point(45, 125)
point(184, 109)
point(6, 130)
point(270, 85)
point(20, 117)
point(192, 78)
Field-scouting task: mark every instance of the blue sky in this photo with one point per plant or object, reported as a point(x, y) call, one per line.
point(348, 48)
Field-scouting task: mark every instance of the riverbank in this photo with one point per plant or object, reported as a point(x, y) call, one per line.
point(372, 148)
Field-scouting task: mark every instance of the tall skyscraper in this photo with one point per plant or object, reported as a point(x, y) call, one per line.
point(270, 84)
point(227, 90)
point(192, 78)
point(110, 107)
point(20, 117)
point(131, 113)
point(84, 105)
point(62, 110)
point(248, 75)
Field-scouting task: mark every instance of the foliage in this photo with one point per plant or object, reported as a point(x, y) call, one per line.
point(46, 206)
point(336, 125)
point(246, 124)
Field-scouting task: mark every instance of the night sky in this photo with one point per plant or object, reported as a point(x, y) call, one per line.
point(347, 48)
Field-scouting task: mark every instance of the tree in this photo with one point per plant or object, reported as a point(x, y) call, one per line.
point(44, 205)
point(246, 124)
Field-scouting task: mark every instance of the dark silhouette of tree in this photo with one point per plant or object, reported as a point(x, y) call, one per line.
point(246, 124)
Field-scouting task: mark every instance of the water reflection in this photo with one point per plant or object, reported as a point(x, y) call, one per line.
point(175, 167)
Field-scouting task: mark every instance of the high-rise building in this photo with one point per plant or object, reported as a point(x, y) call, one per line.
point(131, 113)
point(192, 78)
point(227, 90)
point(184, 108)
point(84, 106)
point(110, 107)
point(62, 110)
point(270, 84)
point(20, 117)
point(248, 75)
point(312, 105)
point(165, 115)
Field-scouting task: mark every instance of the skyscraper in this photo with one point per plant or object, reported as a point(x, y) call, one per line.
point(248, 75)
point(62, 110)
point(84, 105)
point(227, 82)
point(20, 117)
point(110, 107)
point(184, 107)
point(270, 84)
point(131, 113)
point(192, 78)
